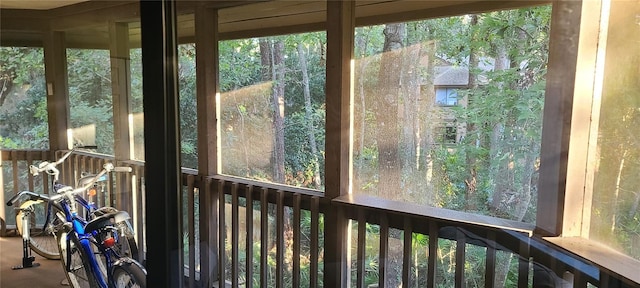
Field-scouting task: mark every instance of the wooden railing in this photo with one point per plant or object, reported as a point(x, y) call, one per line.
point(272, 235)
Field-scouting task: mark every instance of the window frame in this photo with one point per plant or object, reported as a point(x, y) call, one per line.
point(448, 97)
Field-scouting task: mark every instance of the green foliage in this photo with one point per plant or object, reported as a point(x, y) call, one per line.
point(23, 113)
point(188, 113)
point(247, 111)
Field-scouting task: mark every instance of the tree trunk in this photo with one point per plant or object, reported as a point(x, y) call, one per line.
point(616, 193)
point(278, 105)
point(362, 42)
point(387, 132)
point(265, 59)
point(498, 167)
point(309, 115)
point(411, 108)
point(471, 182)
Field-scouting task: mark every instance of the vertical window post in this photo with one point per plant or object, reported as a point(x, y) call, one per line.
point(563, 50)
point(340, 45)
point(207, 89)
point(55, 58)
point(121, 91)
point(162, 145)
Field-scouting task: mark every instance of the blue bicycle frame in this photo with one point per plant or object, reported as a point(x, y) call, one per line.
point(86, 237)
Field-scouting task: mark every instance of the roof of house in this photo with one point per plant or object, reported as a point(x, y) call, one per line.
point(451, 76)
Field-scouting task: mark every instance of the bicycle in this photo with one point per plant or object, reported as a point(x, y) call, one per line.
point(38, 240)
point(42, 239)
point(87, 248)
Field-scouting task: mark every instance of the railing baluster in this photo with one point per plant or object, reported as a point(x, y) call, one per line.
point(80, 166)
point(362, 231)
point(192, 230)
point(44, 156)
point(315, 217)
point(139, 211)
point(264, 236)
point(249, 238)
point(296, 240)
point(280, 239)
point(129, 193)
point(406, 253)
point(222, 235)
point(461, 243)
point(74, 169)
point(523, 265)
point(579, 281)
point(29, 175)
point(207, 222)
point(607, 281)
point(14, 162)
point(234, 235)
point(433, 254)
point(384, 250)
point(490, 263)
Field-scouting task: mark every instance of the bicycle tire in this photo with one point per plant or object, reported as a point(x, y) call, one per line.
point(42, 241)
point(127, 247)
point(78, 272)
point(128, 274)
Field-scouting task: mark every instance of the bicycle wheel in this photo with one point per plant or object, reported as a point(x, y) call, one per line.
point(127, 247)
point(75, 261)
point(126, 274)
point(42, 236)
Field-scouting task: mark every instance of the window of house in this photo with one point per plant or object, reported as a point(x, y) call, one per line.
point(449, 135)
point(273, 108)
point(446, 96)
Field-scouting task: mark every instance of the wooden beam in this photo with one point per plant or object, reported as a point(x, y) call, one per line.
point(23, 20)
point(55, 59)
point(120, 88)
point(583, 118)
point(21, 39)
point(207, 91)
point(563, 50)
point(68, 20)
point(339, 101)
point(120, 95)
point(207, 85)
point(409, 10)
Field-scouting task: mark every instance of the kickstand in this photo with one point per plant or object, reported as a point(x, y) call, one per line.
point(27, 259)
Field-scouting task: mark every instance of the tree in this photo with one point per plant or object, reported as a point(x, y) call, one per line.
point(23, 103)
point(386, 107)
point(308, 113)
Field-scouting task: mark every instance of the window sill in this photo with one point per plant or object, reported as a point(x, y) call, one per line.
point(446, 215)
point(600, 255)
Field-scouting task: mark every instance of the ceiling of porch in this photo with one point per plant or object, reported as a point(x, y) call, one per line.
point(86, 22)
point(37, 5)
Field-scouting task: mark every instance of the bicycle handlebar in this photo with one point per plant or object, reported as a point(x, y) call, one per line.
point(68, 191)
point(108, 167)
point(32, 195)
point(50, 168)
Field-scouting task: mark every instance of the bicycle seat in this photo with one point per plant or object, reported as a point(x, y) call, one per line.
point(108, 219)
